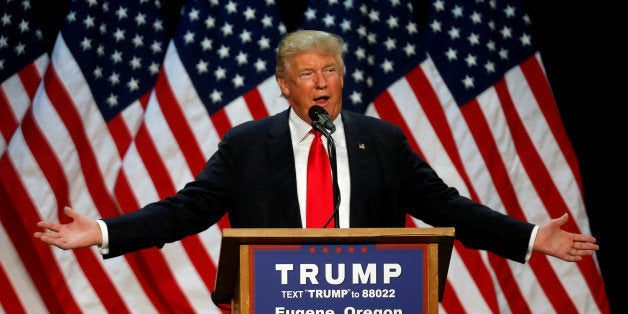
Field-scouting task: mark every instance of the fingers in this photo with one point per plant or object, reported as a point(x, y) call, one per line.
point(585, 246)
point(48, 225)
point(579, 250)
point(68, 211)
point(562, 219)
point(584, 239)
point(53, 239)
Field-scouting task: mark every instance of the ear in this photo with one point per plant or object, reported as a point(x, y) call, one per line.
point(283, 85)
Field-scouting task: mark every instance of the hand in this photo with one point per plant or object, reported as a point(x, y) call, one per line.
point(571, 247)
point(81, 232)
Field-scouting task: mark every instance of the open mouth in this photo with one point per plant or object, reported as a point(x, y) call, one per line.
point(321, 100)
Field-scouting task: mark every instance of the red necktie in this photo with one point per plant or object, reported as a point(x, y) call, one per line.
point(320, 200)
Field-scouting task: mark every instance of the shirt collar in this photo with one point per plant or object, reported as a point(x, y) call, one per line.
point(299, 129)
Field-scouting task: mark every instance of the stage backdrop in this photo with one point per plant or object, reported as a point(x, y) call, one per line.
point(124, 111)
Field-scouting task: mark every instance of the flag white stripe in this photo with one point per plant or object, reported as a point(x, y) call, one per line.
point(424, 134)
point(18, 276)
point(13, 87)
point(504, 144)
point(271, 95)
point(205, 134)
point(136, 173)
point(73, 274)
point(187, 277)
point(170, 153)
point(547, 147)
point(101, 142)
point(465, 143)
point(126, 283)
point(466, 289)
point(34, 180)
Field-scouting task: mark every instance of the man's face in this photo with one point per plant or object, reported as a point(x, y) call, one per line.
point(313, 79)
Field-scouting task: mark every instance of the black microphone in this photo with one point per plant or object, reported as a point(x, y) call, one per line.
point(321, 122)
point(320, 117)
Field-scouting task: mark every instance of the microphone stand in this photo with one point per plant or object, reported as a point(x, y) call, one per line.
point(331, 151)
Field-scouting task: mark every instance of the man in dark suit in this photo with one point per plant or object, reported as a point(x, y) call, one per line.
point(257, 177)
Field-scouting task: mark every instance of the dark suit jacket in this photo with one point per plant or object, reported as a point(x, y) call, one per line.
point(252, 178)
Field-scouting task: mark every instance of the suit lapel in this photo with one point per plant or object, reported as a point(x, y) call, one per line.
point(359, 163)
point(281, 156)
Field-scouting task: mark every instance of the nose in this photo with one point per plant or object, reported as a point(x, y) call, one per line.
point(320, 81)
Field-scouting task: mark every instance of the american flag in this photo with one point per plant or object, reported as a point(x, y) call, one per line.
point(469, 90)
point(23, 59)
point(125, 115)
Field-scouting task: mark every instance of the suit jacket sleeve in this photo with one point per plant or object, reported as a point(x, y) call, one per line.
point(389, 180)
point(251, 178)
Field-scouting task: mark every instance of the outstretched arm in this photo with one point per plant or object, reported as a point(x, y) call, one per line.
point(571, 247)
point(81, 232)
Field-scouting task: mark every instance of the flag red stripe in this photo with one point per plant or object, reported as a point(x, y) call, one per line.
point(178, 125)
point(36, 256)
point(162, 277)
point(221, 122)
point(508, 284)
point(480, 274)
point(139, 261)
point(550, 284)
point(72, 121)
point(478, 126)
point(435, 113)
point(149, 265)
point(55, 176)
point(542, 180)
point(51, 168)
point(203, 263)
point(255, 103)
point(153, 163)
point(533, 72)
point(8, 120)
point(122, 190)
point(505, 190)
point(30, 78)
point(530, 159)
point(387, 110)
point(165, 293)
point(161, 177)
point(121, 133)
point(487, 147)
point(100, 281)
point(224, 222)
point(450, 301)
point(165, 186)
point(8, 298)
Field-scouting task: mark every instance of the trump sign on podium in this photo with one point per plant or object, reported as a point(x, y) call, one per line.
point(327, 279)
point(333, 271)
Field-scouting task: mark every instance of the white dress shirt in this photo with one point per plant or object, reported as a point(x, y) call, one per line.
point(301, 141)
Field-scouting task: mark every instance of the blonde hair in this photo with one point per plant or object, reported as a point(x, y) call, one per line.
point(308, 40)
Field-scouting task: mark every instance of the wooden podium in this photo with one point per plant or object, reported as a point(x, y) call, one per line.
point(246, 252)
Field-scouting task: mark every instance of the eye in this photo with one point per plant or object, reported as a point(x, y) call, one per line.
point(306, 75)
